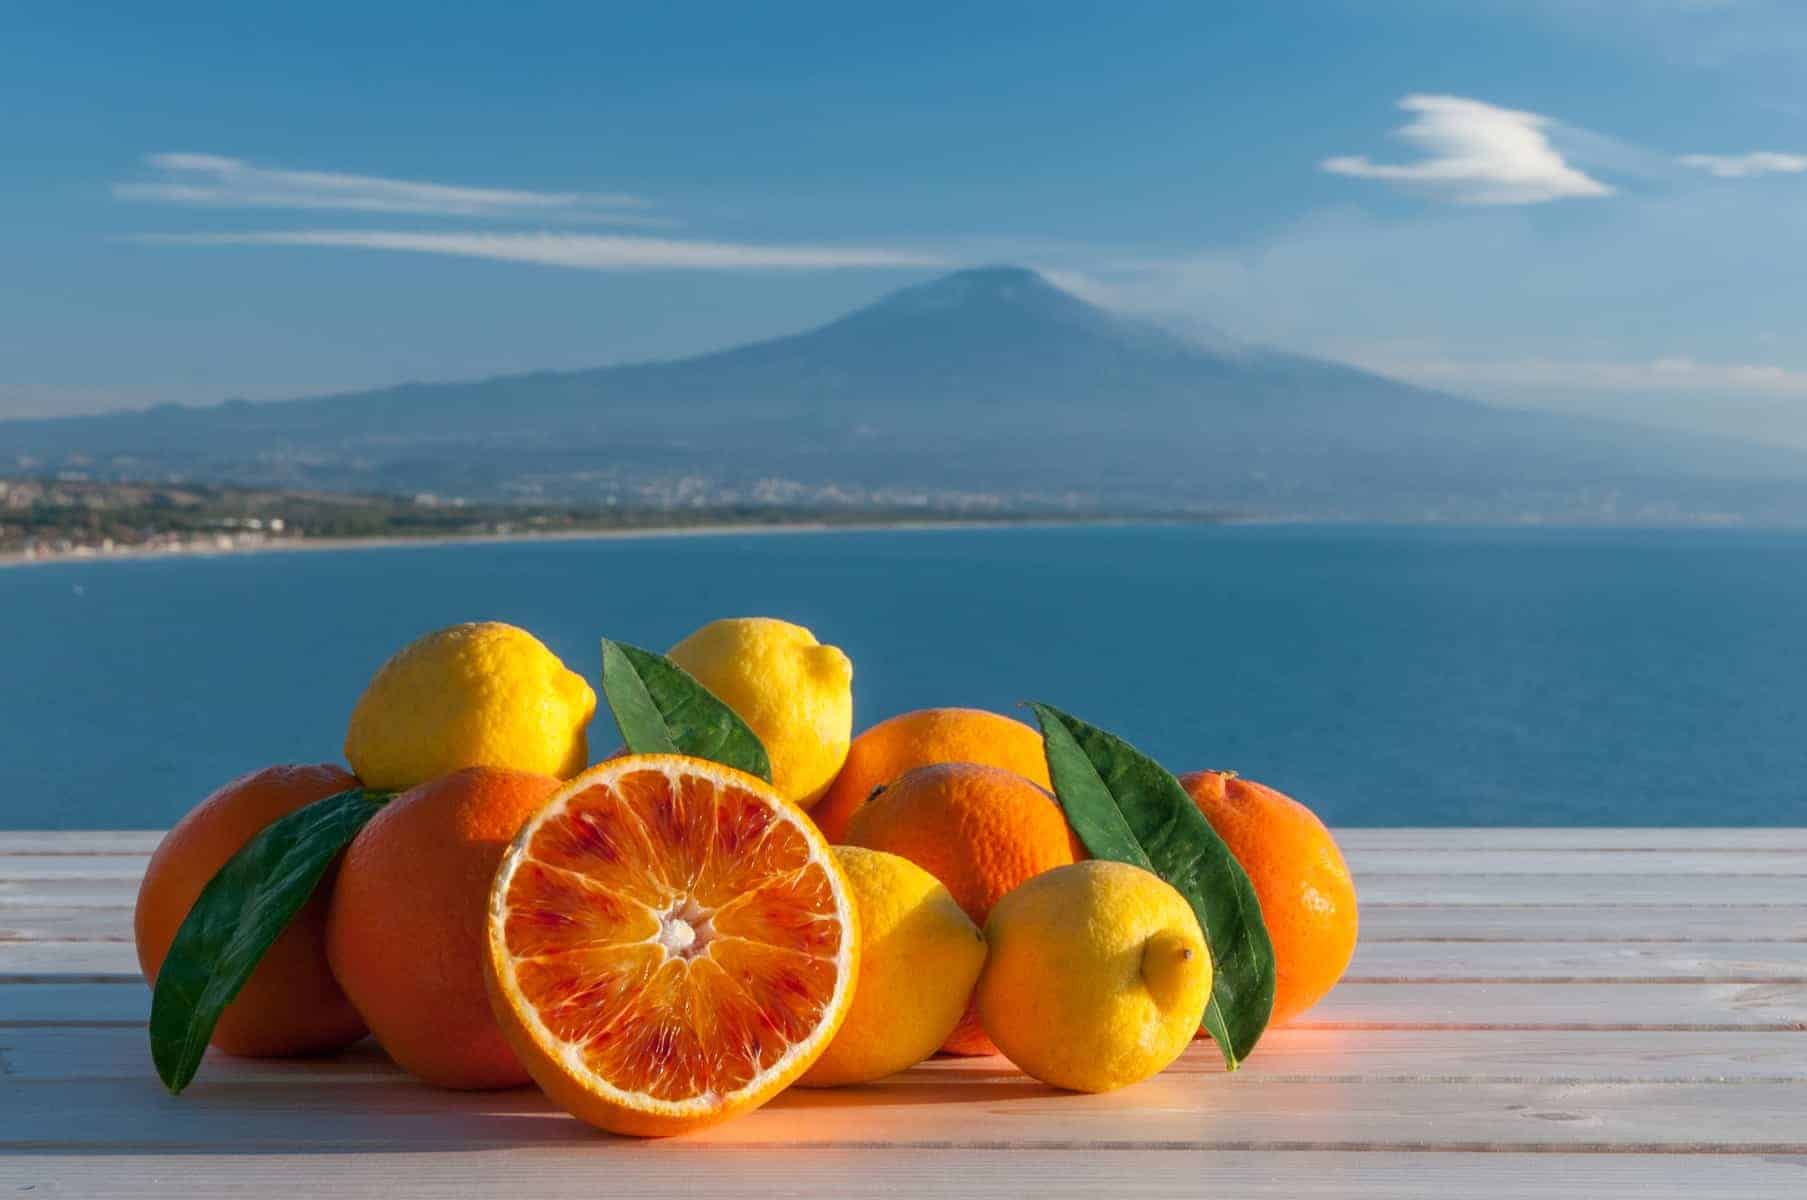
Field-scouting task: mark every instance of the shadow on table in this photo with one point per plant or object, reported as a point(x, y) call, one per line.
point(362, 1105)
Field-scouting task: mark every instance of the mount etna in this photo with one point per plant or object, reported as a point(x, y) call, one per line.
point(985, 388)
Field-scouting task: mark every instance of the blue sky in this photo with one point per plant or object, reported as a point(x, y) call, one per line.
point(1594, 205)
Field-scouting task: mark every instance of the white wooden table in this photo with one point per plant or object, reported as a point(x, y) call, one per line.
point(1585, 1013)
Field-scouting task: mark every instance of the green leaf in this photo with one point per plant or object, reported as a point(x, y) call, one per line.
point(661, 709)
point(235, 919)
point(1125, 806)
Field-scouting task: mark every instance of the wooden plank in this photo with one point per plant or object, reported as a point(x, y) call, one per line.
point(1781, 1007)
point(52, 960)
point(665, 1169)
point(1583, 923)
point(79, 841)
point(1291, 1055)
point(123, 1052)
point(28, 868)
point(65, 925)
point(67, 893)
point(1571, 838)
point(1375, 962)
point(1474, 962)
point(947, 1104)
point(1447, 890)
point(1464, 863)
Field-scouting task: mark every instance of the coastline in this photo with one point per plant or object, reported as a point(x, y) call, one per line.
point(310, 545)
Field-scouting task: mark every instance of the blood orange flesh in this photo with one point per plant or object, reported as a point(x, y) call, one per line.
point(670, 943)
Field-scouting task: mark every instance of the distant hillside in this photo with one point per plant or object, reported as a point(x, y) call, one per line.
point(49, 519)
point(986, 383)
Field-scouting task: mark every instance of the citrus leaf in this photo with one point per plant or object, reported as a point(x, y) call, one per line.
point(661, 709)
point(237, 916)
point(1127, 807)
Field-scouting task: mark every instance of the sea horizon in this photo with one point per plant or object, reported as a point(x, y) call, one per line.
point(1386, 675)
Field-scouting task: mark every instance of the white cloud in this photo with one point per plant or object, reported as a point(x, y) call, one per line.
point(593, 252)
point(1746, 166)
point(1496, 285)
point(214, 181)
point(24, 400)
point(1672, 374)
point(1476, 153)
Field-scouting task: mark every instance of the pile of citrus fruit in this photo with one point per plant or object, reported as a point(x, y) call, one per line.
point(741, 897)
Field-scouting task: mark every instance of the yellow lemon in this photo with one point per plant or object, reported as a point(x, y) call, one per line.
point(483, 694)
point(919, 957)
point(1097, 978)
point(796, 694)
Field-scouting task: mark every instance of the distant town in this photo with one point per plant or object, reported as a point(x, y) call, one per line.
point(82, 518)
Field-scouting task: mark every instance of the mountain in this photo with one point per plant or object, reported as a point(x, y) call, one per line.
point(987, 385)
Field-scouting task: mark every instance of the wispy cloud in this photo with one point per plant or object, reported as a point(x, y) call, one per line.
point(1476, 153)
point(45, 400)
point(1746, 166)
point(215, 181)
point(1670, 374)
point(592, 252)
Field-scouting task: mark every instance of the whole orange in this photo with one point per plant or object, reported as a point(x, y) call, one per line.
point(408, 926)
point(919, 739)
point(980, 830)
point(1307, 897)
point(290, 1004)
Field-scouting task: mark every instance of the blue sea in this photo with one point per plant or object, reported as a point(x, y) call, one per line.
point(1385, 676)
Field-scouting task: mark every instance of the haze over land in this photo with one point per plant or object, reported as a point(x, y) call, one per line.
point(989, 388)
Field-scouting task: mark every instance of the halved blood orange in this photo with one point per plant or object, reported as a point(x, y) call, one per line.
point(671, 942)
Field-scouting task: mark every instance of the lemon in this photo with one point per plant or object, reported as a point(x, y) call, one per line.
point(483, 694)
point(796, 694)
point(919, 958)
point(1097, 978)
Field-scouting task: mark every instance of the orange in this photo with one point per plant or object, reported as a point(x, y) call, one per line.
point(922, 738)
point(405, 937)
point(670, 943)
point(1307, 898)
point(981, 831)
point(290, 1004)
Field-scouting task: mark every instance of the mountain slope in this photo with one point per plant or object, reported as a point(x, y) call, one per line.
point(989, 381)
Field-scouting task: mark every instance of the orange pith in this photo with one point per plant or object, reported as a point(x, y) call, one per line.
point(671, 943)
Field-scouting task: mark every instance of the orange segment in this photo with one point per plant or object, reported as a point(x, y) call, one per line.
point(671, 943)
point(565, 911)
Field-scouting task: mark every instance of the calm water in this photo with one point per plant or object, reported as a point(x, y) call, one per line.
point(1383, 676)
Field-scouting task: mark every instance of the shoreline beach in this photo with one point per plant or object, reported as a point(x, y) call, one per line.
point(308, 545)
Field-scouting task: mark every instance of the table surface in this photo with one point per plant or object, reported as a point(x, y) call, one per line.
point(1577, 1012)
